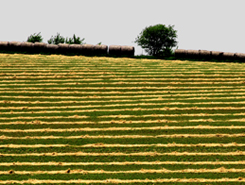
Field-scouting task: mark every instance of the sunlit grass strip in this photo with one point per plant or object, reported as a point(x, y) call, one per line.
point(218, 135)
point(62, 108)
point(173, 97)
point(173, 94)
point(123, 109)
point(124, 116)
point(126, 80)
point(199, 127)
point(81, 171)
point(38, 122)
point(112, 75)
point(103, 101)
point(116, 181)
point(169, 115)
point(142, 83)
point(102, 145)
point(237, 153)
point(122, 163)
point(168, 89)
point(45, 117)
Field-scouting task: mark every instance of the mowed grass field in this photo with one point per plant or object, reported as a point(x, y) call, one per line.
point(98, 120)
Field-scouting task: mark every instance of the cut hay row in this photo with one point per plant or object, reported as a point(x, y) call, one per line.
point(161, 97)
point(44, 117)
point(81, 171)
point(50, 103)
point(144, 136)
point(118, 181)
point(138, 83)
point(164, 76)
point(123, 163)
point(124, 116)
point(133, 105)
point(207, 55)
point(130, 76)
point(95, 80)
point(123, 71)
point(38, 122)
point(75, 49)
point(64, 108)
point(102, 145)
point(133, 109)
point(204, 88)
point(99, 98)
point(237, 153)
point(87, 129)
point(170, 115)
point(164, 93)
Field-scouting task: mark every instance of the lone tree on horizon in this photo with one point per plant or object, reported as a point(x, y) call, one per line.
point(157, 40)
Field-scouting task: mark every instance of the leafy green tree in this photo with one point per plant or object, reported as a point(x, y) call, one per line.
point(158, 40)
point(74, 40)
point(56, 39)
point(35, 38)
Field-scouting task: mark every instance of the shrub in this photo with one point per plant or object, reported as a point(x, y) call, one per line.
point(35, 38)
point(58, 39)
point(74, 40)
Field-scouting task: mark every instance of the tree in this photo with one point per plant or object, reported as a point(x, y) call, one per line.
point(74, 40)
point(35, 38)
point(56, 40)
point(157, 40)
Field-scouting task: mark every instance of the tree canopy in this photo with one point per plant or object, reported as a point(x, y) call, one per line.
point(157, 40)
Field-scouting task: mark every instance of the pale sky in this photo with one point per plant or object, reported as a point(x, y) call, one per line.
point(201, 24)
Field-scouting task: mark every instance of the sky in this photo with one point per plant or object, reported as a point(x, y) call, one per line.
point(215, 25)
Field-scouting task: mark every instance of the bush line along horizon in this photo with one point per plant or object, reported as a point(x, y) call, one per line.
point(157, 41)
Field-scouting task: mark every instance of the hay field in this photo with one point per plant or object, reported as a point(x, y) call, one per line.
point(98, 120)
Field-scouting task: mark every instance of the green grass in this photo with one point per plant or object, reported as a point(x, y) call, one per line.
point(57, 89)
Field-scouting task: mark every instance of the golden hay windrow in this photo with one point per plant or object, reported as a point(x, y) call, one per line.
point(122, 105)
point(87, 78)
point(81, 171)
point(88, 129)
point(55, 154)
point(122, 163)
point(116, 181)
point(124, 116)
point(170, 93)
point(217, 135)
point(102, 145)
point(38, 122)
